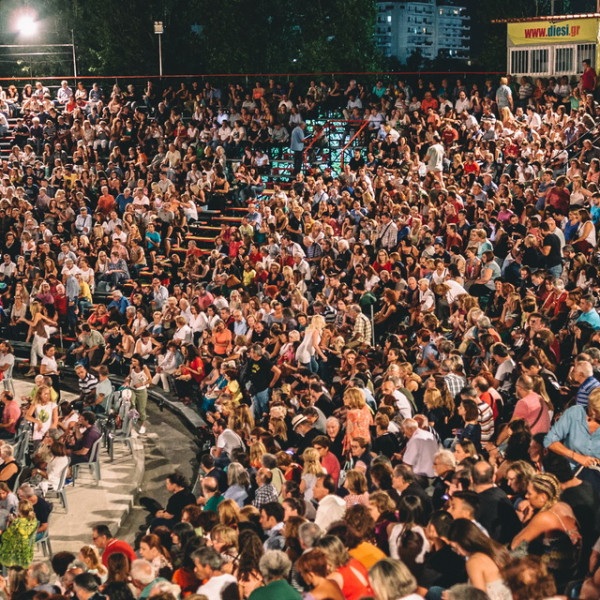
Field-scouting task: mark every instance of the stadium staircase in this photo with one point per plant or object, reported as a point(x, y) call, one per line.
point(332, 142)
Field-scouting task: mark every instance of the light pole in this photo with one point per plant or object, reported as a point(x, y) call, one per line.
point(74, 56)
point(159, 30)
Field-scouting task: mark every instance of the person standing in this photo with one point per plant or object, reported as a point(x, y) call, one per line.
point(139, 380)
point(504, 98)
point(297, 146)
point(435, 158)
point(588, 78)
point(263, 375)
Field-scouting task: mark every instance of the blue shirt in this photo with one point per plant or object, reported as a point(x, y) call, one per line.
point(592, 317)
point(572, 431)
point(583, 393)
point(297, 140)
point(121, 304)
point(122, 202)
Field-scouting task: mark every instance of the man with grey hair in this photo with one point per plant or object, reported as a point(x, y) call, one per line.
point(308, 534)
point(275, 567)
point(38, 579)
point(143, 576)
point(444, 464)
point(208, 564)
point(583, 375)
point(362, 331)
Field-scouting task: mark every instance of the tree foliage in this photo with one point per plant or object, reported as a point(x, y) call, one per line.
point(115, 37)
point(203, 36)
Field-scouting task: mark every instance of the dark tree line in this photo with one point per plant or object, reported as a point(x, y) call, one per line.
point(116, 37)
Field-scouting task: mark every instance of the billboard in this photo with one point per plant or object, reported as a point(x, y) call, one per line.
point(547, 31)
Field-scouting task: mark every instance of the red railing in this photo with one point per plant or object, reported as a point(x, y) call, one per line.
point(327, 125)
point(237, 75)
point(361, 129)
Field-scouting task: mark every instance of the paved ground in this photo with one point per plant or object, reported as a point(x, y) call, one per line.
point(167, 446)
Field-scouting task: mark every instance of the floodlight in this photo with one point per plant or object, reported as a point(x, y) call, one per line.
point(27, 25)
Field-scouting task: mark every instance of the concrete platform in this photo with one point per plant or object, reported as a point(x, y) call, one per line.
point(108, 501)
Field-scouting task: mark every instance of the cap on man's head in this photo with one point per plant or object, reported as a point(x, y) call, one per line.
point(298, 420)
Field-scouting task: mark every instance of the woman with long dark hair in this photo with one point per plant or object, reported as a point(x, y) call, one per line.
point(485, 558)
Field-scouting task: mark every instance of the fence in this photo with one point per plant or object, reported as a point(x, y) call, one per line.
point(248, 79)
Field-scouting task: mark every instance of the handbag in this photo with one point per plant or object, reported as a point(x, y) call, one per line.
point(344, 472)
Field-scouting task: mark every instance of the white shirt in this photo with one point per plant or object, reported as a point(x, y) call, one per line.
point(455, 290)
point(214, 586)
point(331, 508)
point(420, 451)
point(229, 441)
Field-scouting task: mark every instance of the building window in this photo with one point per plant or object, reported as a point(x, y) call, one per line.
point(563, 60)
point(585, 52)
point(539, 60)
point(519, 61)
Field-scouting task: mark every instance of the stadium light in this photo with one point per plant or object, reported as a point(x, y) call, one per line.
point(27, 24)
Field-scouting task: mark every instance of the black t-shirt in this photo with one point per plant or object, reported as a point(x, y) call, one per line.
point(325, 404)
point(497, 514)
point(386, 444)
point(516, 228)
point(178, 501)
point(260, 373)
point(584, 501)
point(554, 258)
point(42, 509)
point(444, 567)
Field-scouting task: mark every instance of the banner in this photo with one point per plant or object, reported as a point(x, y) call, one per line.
point(546, 31)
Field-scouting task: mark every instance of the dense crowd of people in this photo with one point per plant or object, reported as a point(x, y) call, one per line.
point(398, 361)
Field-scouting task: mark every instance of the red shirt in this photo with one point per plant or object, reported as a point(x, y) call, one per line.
point(588, 80)
point(429, 103)
point(332, 465)
point(114, 546)
point(106, 204)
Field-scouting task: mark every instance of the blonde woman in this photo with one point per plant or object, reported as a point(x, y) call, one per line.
point(257, 451)
point(391, 580)
point(299, 302)
point(278, 429)
point(229, 512)
point(440, 407)
point(42, 412)
point(16, 546)
point(310, 345)
point(224, 540)
point(358, 417)
point(89, 555)
point(552, 532)
point(42, 323)
point(312, 468)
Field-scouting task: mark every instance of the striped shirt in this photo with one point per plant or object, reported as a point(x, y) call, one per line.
point(583, 393)
point(486, 420)
point(88, 384)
